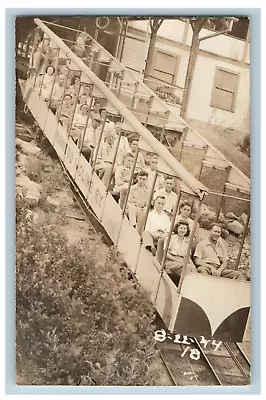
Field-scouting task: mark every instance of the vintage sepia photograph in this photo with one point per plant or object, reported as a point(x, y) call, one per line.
point(132, 144)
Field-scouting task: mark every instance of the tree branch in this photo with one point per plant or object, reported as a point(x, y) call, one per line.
point(155, 24)
point(191, 24)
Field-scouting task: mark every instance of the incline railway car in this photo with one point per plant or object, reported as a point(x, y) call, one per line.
point(88, 127)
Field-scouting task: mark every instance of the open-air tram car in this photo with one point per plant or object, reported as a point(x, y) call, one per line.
point(211, 306)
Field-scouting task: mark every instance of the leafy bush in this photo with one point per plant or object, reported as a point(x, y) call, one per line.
point(245, 145)
point(79, 320)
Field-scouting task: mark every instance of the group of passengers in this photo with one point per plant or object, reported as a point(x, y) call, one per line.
point(87, 123)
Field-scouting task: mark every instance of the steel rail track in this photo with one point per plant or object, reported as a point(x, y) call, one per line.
point(208, 362)
point(243, 354)
point(168, 370)
point(232, 349)
point(236, 360)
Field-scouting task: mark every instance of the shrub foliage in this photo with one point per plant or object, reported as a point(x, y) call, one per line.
point(244, 146)
point(79, 320)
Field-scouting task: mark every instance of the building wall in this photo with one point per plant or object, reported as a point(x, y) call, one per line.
point(221, 51)
point(200, 98)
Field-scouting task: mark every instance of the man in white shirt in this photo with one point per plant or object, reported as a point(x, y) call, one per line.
point(79, 121)
point(157, 226)
point(170, 195)
point(57, 93)
point(91, 137)
point(106, 156)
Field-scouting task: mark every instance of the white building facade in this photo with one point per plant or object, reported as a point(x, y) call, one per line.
point(220, 93)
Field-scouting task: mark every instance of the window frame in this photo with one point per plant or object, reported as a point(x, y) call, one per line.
point(174, 75)
point(234, 93)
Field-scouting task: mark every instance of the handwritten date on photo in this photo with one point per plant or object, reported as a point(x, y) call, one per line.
point(161, 335)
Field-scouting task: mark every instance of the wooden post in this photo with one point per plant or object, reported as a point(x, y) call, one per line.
point(54, 78)
point(74, 110)
point(190, 244)
point(95, 154)
point(197, 26)
point(242, 241)
point(149, 201)
point(165, 251)
point(155, 24)
point(223, 198)
point(63, 95)
point(81, 139)
point(130, 181)
point(113, 161)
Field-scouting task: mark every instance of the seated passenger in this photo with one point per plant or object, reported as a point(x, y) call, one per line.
point(90, 139)
point(40, 54)
point(151, 169)
point(157, 226)
point(57, 93)
point(95, 112)
point(86, 89)
point(210, 256)
point(123, 144)
point(140, 165)
point(74, 89)
point(108, 124)
point(47, 84)
point(105, 157)
point(138, 198)
point(48, 78)
point(147, 158)
point(122, 177)
point(185, 210)
point(64, 70)
point(66, 110)
point(177, 251)
point(79, 121)
point(84, 99)
point(170, 195)
point(79, 47)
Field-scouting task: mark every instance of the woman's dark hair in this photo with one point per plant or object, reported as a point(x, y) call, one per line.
point(169, 177)
point(215, 224)
point(68, 95)
point(185, 203)
point(175, 230)
point(50, 66)
point(84, 104)
point(134, 139)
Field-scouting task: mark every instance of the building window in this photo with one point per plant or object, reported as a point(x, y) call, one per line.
point(225, 89)
point(164, 67)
